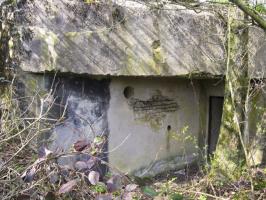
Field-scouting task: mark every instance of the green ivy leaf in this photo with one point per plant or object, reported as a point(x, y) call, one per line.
point(149, 191)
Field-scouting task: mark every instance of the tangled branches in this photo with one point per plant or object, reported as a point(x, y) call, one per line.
point(29, 170)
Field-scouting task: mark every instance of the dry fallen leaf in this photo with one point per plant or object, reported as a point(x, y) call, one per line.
point(67, 187)
point(91, 162)
point(131, 187)
point(81, 145)
point(114, 183)
point(80, 165)
point(94, 177)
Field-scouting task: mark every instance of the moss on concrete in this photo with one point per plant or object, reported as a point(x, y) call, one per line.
point(155, 122)
point(48, 55)
point(230, 154)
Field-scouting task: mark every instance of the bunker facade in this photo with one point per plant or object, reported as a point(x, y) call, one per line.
point(150, 77)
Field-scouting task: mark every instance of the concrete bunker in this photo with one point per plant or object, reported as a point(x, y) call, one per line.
point(150, 81)
point(152, 124)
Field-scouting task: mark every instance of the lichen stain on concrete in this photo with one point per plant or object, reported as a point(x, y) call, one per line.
point(87, 103)
point(153, 110)
point(161, 67)
point(43, 47)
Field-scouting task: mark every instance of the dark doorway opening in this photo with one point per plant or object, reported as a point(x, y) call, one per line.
point(215, 117)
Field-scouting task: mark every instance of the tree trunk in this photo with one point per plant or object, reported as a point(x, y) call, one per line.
point(5, 41)
point(243, 5)
point(231, 153)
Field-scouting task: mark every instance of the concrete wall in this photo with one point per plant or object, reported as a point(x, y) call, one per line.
point(154, 138)
point(152, 124)
point(120, 38)
point(158, 122)
point(127, 38)
point(257, 49)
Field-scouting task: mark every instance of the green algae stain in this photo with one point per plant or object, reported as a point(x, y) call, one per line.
point(132, 66)
point(144, 66)
point(48, 55)
point(160, 67)
point(154, 122)
point(71, 34)
point(31, 84)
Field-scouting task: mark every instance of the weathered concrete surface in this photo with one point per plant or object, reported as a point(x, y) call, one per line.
point(158, 134)
point(257, 52)
point(257, 126)
point(122, 38)
point(157, 129)
point(82, 102)
point(127, 38)
point(79, 103)
point(152, 124)
point(86, 101)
